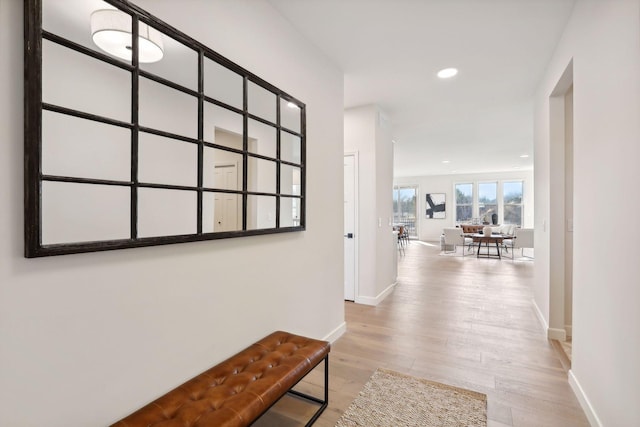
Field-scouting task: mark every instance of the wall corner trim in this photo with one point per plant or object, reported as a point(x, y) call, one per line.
point(584, 401)
point(539, 315)
point(336, 333)
point(556, 334)
point(378, 299)
point(569, 330)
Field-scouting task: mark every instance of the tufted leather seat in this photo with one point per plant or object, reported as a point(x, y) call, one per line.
point(240, 389)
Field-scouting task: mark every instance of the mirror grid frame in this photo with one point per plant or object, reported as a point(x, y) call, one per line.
point(34, 34)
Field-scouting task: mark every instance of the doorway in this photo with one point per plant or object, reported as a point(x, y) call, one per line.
point(350, 226)
point(225, 210)
point(568, 213)
point(561, 210)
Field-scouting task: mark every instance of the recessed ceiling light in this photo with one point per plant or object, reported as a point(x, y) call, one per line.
point(516, 167)
point(291, 105)
point(524, 156)
point(446, 161)
point(447, 73)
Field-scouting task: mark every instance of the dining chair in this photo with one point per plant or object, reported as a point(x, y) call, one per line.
point(455, 237)
point(400, 230)
point(522, 239)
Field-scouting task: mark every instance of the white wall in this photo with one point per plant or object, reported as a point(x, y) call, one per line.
point(386, 247)
point(431, 229)
point(603, 39)
point(88, 338)
point(367, 133)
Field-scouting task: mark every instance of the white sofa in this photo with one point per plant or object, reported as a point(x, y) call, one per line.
point(506, 229)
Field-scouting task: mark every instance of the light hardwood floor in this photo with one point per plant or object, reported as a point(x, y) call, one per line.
point(465, 322)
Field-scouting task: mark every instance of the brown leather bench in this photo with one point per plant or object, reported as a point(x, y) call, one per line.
point(239, 390)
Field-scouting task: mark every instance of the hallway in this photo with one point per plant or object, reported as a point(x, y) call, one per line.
point(465, 322)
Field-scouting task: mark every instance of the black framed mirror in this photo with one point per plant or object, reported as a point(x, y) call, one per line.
point(138, 135)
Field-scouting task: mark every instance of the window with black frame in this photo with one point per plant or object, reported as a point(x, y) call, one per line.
point(137, 135)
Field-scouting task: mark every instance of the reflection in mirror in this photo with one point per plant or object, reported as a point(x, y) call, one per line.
point(167, 161)
point(167, 109)
point(261, 102)
point(290, 147)
point(228, 139)
point(77, 81)
point(261, 212)
point(163, 212)
point(85, 149)
point(222, 169)
point(221, 212)
point(220, 118)
point(290, 115)
point(59, 18)
point(111, 31)
point(74, 212)
point(178, 64)
point(263, 138)
point(289, 212)
point(261, 175)
point(242, 151)
point(289, 180)
point(222, 84)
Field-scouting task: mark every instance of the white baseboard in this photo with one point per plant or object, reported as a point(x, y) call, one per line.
point(378, 299)
point(556, 334)
point(552, 333)
point(584, 401)
point(336, 333)
point(541, 319)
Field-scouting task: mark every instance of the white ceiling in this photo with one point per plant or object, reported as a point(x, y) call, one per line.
point(390, 51)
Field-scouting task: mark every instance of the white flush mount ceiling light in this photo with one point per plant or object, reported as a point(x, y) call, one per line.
point(524, 156)
point(447, 73)
point(446, 161)
point(111, 32)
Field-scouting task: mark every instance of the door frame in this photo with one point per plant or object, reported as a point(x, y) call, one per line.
point(356, 223)
point(558, 224)
point(233, 164)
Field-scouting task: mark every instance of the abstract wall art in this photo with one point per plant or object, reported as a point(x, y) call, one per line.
point(436, 207)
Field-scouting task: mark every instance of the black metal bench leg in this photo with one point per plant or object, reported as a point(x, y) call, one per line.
point(323, 403)
point(326, 393)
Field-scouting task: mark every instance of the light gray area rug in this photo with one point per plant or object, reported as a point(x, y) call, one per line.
point(392, 399)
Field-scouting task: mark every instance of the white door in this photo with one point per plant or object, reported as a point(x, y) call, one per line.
point(226, 205)
point(349, 227)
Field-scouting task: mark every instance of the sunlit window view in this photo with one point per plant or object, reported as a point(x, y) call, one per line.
point(487, 200)
point(464, 202)
point(405, 208)
point(512, 202)
point(494, 203)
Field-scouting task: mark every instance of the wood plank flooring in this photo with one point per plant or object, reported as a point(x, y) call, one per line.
point(462, 321)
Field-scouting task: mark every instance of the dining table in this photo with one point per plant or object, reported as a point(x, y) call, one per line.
point(493, 239)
